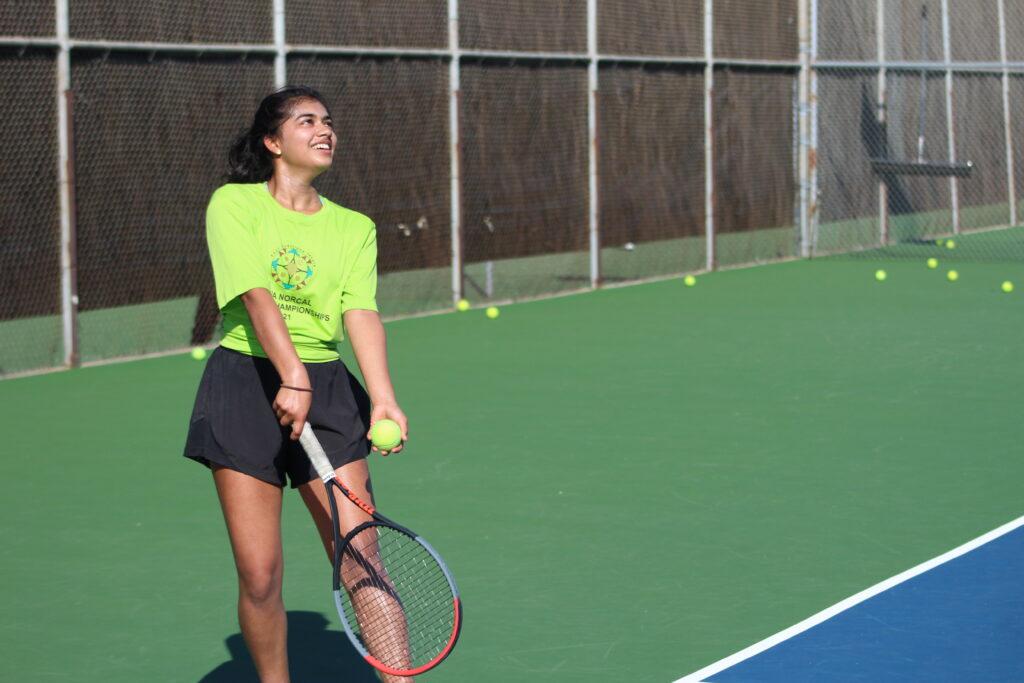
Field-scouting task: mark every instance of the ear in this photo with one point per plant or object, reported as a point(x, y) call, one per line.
point(272, 145)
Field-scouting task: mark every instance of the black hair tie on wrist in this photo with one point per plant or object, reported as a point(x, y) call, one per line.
point(288, 386)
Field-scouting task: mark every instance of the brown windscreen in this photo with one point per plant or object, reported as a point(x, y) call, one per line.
point(29, 212)
point(368, 23)
point(182, 21)
point(651, 27)
point(651, 170)
point(393, 155)
point(27, 18)
point(756, 29)
point(523, 25)
point(524, 159)
point(151, 141)
point(755, 162)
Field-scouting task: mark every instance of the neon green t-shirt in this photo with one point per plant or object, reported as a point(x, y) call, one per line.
point(316, 266)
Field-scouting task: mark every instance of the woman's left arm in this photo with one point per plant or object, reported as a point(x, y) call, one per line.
point(369, 342)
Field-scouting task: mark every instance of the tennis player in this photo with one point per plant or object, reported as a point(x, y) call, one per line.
point(292, 271)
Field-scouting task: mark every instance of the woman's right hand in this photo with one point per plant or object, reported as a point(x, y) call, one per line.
point(292, 407)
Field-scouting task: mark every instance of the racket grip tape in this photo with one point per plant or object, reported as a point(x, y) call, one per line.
point(315, 453)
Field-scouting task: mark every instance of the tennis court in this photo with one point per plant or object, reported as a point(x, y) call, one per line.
point(629, 484)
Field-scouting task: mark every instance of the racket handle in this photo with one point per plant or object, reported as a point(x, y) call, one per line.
point(315, 453)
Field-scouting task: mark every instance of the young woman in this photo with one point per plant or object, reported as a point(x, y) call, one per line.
point(292, 270)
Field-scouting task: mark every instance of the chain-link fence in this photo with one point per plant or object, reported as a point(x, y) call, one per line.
point(506, 149)
point(917, 142)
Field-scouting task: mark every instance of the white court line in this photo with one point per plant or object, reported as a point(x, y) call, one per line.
point(829, 612)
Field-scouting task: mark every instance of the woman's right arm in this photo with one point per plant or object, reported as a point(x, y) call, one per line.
point(290, 405)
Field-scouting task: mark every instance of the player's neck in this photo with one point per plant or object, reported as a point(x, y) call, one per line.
point(294, 193)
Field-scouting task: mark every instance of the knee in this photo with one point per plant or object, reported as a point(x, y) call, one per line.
point(260, 584)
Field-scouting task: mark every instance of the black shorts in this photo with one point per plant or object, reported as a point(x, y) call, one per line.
point(233, 423)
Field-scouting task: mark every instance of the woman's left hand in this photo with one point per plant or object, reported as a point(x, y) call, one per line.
point(390, 412)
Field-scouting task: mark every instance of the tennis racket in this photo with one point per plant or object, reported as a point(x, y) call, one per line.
point(396, 598)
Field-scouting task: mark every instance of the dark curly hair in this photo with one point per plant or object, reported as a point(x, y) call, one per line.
point(249, 160)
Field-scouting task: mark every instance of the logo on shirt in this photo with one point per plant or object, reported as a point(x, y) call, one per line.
point(291, 268)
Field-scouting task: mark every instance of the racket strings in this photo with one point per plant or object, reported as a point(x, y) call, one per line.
point(397, 599)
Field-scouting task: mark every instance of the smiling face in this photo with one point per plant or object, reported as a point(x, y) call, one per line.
point(305, 140)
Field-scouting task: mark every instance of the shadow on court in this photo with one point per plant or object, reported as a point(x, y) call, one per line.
point(315, 655)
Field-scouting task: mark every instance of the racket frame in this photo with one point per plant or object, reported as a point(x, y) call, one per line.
point(317, 456)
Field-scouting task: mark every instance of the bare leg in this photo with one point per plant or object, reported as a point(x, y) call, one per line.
point(252, 510)
point(356, 478)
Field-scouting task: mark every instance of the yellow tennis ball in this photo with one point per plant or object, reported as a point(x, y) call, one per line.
point(462, 305)
point(385, 434)
point(933, 263)
point(880, 275)
point(689, 281)
point(950, 244)
point(198, 353)
point(492, 312)
point(952, 276)
point(940, 242)
point(1007, 286)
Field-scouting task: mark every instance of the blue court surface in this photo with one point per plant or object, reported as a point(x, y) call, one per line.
point(958, 617)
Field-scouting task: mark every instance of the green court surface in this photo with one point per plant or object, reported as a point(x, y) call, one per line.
point(628, 484)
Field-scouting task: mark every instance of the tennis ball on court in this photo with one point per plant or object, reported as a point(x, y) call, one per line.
point(463, 305)
point(689, 281)
point(1007, 287)
point(880, 275)
point(952, 276)
point(933, 263)
point(950, 244)
point(940, 242)
point(198, 353)
point(385, 434)
point(493, 312)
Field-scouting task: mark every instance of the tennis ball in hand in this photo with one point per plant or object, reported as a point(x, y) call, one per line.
point(1007, 287)
point(689, 281)
point(493, 312)
point(952, 276)
point(462, 305)
point(933, 263)
point(385, 434)
point(199, 353)
point(880, 275)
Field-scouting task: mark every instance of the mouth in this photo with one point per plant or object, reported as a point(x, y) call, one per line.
point(323, 147)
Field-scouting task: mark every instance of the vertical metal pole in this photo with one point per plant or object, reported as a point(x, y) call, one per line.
point(454, 148)
point(1011, 183)
point(812, 204)
point(709, 133)
point(281, 56)
point(592, 85)
point(804, 127)
point(954, 187)
point(883, 189)
point(68, 264)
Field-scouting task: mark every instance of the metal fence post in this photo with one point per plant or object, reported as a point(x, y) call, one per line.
point(1011, 182)
point(813, 200)
point(592, 86)
point(68, 264)
point(804, 105)
point(454, 156)
point(709, 133)
point(954, 187)
point(281, 54)
point(883, 189)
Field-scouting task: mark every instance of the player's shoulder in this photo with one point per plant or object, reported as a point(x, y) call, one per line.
point(232, 193)
point(349, 219)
